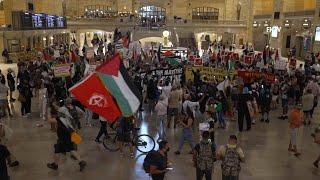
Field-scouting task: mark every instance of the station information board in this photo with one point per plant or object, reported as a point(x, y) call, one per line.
point(33, 21)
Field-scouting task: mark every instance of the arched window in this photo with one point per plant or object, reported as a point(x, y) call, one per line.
point(205, 13)
point(99, 11)
point(152, 16)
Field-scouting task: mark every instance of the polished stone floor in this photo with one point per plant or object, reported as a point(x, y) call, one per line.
point(265, 148)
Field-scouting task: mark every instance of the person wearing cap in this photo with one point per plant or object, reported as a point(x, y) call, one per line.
point(295, 121)
point(231, 156)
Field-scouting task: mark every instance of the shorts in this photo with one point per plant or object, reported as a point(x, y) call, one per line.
point(64, 147)
point(285, 103)
point(173, 111)
point(274, 97)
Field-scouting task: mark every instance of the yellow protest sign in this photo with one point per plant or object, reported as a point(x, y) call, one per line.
point(209, 72)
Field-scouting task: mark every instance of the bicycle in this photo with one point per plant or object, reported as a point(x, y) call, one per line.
point(144, 143)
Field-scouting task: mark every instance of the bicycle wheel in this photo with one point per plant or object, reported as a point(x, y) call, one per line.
point(145, 143)
point(110, 142)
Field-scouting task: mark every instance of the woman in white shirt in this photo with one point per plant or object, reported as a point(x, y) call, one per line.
point(43, 101)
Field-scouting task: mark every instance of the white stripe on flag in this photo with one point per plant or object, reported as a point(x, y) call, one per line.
point(127, 93)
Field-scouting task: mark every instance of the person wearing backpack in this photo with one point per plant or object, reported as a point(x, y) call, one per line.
point(204, 157)
point(231, 156)
point(156, 162)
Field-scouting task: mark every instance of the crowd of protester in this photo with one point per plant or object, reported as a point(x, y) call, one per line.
point(183, 103)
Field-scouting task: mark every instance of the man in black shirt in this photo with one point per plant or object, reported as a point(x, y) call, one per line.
point(158, 165)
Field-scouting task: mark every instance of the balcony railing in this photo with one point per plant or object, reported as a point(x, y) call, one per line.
point(262, 16)
point(126, 22)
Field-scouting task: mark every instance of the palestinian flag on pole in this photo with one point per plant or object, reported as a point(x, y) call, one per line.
point(94, 96)
point(116, 80)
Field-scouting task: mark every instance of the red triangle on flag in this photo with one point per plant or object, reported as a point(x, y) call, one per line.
point(110, 67)
point(97, 99)
point(168, 53)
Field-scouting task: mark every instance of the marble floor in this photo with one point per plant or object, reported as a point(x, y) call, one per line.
point(265, 147)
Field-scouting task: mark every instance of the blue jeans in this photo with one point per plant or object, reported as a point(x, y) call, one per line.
point(186, 136)
point(220, 118)
point(161, 126)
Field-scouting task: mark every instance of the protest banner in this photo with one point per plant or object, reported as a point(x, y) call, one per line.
point(174, 73)
point(248, 76)
point(209, 72)
point(56, 53)
point(280, 65)
point(61, 70)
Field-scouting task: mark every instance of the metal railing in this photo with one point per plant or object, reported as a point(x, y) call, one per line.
point(171, 23)
point(262, 16)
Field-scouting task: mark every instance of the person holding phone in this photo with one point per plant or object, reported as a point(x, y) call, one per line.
point(159, 165)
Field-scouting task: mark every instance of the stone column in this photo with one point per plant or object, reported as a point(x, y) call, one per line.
point(249, 18)
point(277, 7)
point(316, 21)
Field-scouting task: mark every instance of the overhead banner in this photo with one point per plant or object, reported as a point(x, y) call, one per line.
point(209, 72)
point(61, 70)
point(174, 73)
point(248, 76)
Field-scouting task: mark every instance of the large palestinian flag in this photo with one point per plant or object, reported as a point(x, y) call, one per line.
point(109, 91)
point(115, 78)
point(94, 96)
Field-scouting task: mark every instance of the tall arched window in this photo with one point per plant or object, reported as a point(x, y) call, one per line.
point(152, 16)
point(99, 11)
point(205, 13)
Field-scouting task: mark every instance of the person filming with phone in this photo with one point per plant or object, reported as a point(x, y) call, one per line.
point(159, 164)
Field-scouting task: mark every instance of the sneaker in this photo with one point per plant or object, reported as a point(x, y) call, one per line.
point(297, 154)
point(53, 166)
point(316, 164)
point(267, 121)
point(177, 153)
point(73, 157)
point(97, 141)
point(14, 164)
point(82, 165)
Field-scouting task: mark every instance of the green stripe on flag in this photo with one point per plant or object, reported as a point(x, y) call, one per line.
point(172, 61)
point(116, 92)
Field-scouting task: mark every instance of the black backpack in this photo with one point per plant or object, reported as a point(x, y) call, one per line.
point(148, 160)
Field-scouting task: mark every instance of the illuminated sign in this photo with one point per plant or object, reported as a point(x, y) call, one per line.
point(274, 30)
point(317, 36)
